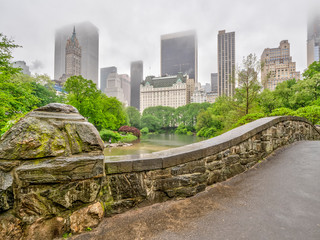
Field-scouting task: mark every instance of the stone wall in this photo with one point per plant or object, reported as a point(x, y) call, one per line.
point(55, 180)
point(183, 172)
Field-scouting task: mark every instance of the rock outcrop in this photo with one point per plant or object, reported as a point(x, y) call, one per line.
point(51, 164)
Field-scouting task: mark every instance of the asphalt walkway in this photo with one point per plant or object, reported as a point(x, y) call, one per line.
point(277, 199)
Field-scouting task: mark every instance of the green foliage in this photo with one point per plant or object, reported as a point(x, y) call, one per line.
point(312, 113)
point(246, 94)
point(100, 110)
point(248, 118)
point(108, 134)
point(10, 123)
point(165, 115)
point(88, 229)
point(144, 130)
point(67, 235)
point(128, 138)
point(207, 132)
point(282, 112)
point(182, 129)
point(313, 69)
point(134, 116)
point(151, 122)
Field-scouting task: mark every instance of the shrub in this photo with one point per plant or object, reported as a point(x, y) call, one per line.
point(106, 134)
point(207, 132)
point(282, 112)
point(128, 138)
point(133, 130)
point(144, 130)
point(312, 113)
point(248, 118)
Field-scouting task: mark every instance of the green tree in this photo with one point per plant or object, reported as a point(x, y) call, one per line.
point(134, 116)
point(313, 69)
point(151, 122)
point(248, 85)
point(163, 113)
point(100, 110)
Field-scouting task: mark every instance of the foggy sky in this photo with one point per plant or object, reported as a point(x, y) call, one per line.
point(130, 29)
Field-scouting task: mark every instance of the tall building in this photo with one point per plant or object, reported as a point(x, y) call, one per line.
point(214, 82)
point(277, 65)
point(118, 85)
point(226, 63)
point(172, 91)
point(136, 74)
point(104, 73)
point(179, 53)
point(88, 37)
point(24, 67)
point(73, 58)
point(313, 41)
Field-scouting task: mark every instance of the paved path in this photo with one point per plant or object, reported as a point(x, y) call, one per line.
point(278, 199)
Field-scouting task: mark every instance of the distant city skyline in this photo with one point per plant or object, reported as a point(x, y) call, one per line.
point(32, 24)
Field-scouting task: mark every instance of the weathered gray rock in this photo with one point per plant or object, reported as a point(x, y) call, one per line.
point(6, 194)
point(50, 131)
point(85, 218)
point(61, 169)
point(75, 192)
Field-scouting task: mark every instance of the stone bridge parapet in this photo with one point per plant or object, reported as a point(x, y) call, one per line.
point(54, 179)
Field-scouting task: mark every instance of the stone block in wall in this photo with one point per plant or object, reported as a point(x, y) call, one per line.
point(215, 165)
point(233, 170)
point(232, 159)
point(190, 167)
point(77, 167)
point(6, 191)
point(184, 192)
point(70, 194)
point(130, 185)
point(215, 176)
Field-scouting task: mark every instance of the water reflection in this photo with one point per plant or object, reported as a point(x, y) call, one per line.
point(149, 144)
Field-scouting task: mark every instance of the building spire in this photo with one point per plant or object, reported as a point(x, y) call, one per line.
point(74, 33)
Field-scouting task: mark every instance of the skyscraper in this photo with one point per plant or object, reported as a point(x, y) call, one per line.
point(73, 56)
point(214, 82)
point(88, 37)
point(226, 63)
point(179, 54)
point(313, 41)
point(277, 65)
point(136, 74)
point(104, 73)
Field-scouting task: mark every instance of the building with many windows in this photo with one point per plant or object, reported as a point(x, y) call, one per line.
point(179, 53)
point(88, 37)
point(226, 63)
point(313, 41)
point(172, 91)
point(277, 65)
point(118, 85)
point(104, 73)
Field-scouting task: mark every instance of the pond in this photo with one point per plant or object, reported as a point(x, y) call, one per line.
point(153, 143)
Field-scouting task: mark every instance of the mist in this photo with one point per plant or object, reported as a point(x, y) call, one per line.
point(131, 30)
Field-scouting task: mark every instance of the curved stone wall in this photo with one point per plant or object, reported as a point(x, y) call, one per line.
point(185, 171)
point(55, 180)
